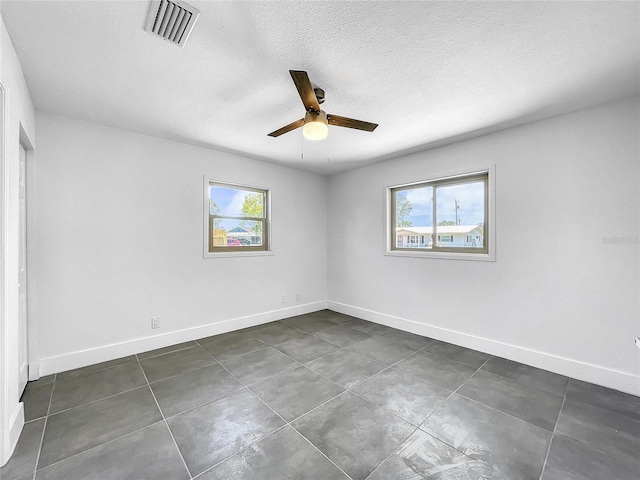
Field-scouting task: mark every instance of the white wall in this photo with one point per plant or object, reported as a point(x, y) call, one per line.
point(119, 238)
point(17, 116)
point(558, 296)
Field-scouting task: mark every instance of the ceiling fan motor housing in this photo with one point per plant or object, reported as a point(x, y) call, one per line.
point(319, 94)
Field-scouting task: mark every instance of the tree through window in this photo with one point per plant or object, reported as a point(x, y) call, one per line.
point(238, 218)
point(444, 215)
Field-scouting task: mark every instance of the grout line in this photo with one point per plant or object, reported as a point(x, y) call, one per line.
point(387, 367)
point(451, 394)
point(96, 400)
point(532, 368)
point(485, 362)
point(326, 354)
point(305, 365)
point(179, 373)
point(353, 386)
point(264, 345)
point(101, 445)
point(316, 408)
point(335, 325)
point(375, 405)
point(289, 356)
point(394, 451)
point(326, 378)
point(72, 377)
point(44, 427)
point(546, 457)
point(165, 353)
point(580, 401)
point(517, 384)
point(291, 367)
point(165, 421)
point(496, 410)
point(412, 376)
point(455, 361)
point(310, 333)
point(445, 401)
point(36, 419)
point(396, 365)
point(288, 369)
point(239, 451)
point(202, 343)
point(233, 392)
point(289, 424)
point(468, 456)
point(478, 369)
point(294, 327)
point(417, 427)
point(438, 408)
point(345, 391)
point(246, 387)
point(283, 419)
point(507, 413)
point(321, 452)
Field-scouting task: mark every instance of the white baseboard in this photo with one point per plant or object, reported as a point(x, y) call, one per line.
point(23, 373)
point(105, 353)
point(616, 379)
point(16, 422)
point(34, 371)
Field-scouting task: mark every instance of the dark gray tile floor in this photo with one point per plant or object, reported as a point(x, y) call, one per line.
point(323, 396)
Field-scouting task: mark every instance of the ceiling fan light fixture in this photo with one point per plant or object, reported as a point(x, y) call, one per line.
point(316, 126)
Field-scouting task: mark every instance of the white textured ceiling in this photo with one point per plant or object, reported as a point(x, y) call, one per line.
point(427, 72)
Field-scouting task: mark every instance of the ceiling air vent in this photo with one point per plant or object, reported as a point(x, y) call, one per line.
point(172, 20)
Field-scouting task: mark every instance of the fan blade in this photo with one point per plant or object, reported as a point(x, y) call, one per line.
point(288, 128)
point(351, 123)
point(308, 96)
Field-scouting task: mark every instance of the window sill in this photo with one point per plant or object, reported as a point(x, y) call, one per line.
point(260, 253)
point(477, 257)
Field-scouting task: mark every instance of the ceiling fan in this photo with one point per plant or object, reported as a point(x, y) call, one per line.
point(315, 124)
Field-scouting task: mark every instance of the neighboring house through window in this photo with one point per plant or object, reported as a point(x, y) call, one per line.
point(442, 217)
point(237, 218)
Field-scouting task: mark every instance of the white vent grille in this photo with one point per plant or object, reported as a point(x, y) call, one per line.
point(172, 20)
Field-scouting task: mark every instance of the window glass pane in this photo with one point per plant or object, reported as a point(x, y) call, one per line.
point(237, 233)
point(460, 211)
point(237, 218)
point(414, 217)
point(235, 202)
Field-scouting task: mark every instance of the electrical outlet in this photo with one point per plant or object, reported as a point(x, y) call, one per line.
point(283, 299)
point(155, 322)
point(297, 296)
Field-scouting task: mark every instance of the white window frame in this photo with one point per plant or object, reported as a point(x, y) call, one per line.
point(489, 231)
point(241, 251)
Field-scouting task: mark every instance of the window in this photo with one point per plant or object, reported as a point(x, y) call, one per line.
point(450, 216)
point(237, 218)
